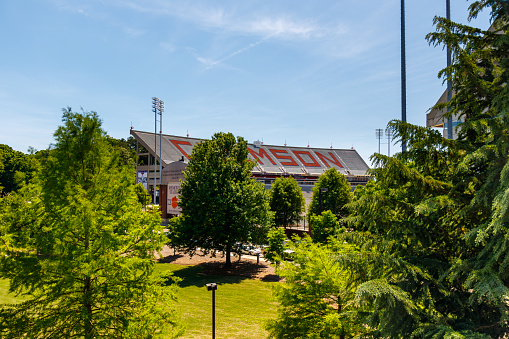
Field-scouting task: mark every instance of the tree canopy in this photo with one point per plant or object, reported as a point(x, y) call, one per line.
point(222, 206)
point(331, 193)
point(77, 244)
point(286, 201)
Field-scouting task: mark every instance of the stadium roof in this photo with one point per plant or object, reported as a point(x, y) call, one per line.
point(270, 159)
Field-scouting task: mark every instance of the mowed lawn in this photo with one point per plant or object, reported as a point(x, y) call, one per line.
point(242, 305)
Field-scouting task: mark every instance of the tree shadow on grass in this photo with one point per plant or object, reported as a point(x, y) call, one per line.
point(208, 272)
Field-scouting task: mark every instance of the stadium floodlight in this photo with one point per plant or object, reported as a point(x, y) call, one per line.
point(388, 133)
point(379, 134)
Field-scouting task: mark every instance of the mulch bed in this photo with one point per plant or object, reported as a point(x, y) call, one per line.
point(246, 267)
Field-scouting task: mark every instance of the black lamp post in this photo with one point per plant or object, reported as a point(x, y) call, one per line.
point(213, 287)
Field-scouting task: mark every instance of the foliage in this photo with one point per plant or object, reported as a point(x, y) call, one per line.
point(222, 206)
point(315, 300)
point(324, 226)
point(141, 193)
point(286, 201)
point(17, 168)
point(126, 149)
point(275, 252)
point(337, 195)
point(77, 245)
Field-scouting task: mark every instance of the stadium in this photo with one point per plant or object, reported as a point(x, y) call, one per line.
point(305, 164)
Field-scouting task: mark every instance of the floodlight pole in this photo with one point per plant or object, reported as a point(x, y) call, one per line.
point(379, 132)
point(388, 133)
point(403, 72)
point(161, 110)
point(154, 108)
point(449, 94)
point(157, 105)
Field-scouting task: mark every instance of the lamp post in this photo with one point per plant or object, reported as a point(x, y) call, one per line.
point(213, 287)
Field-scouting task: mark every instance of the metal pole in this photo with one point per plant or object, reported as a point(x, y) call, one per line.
point(154, 106)
point(403, 71)
point(213, 314)
point(213, 287)
point(449, 94)
point(388, 133)
point(161, 110)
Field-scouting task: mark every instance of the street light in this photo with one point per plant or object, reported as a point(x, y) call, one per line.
point(213, 287)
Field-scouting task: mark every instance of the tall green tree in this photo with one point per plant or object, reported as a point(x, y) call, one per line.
point(286, 201)
point(222, 206)
point(331, 193)
point(78, 246)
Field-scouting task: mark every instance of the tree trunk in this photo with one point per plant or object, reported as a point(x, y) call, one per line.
point(88, 307)
point(228, 257)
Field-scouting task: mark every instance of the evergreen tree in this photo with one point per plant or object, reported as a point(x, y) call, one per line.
point(222, 206)
point(286, 201)
point(78, 246)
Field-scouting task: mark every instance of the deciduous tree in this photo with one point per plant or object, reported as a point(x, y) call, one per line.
point(331, 193)
point(286, 201)
point(222, 206)
point(315, 299)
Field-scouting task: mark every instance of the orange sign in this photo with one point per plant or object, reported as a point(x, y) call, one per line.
point(174, 202)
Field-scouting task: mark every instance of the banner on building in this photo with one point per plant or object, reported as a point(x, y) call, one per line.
point(173, 199)
point(143, 178)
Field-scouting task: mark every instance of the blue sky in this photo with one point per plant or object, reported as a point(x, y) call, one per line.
point(302, 72)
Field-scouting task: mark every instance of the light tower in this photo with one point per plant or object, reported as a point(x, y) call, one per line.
point(158, 109)
point(403, 71)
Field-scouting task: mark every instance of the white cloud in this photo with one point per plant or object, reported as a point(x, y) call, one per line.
point(208, 63)
point(282, 27)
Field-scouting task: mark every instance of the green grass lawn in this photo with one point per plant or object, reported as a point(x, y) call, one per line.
point(5, 296)
point(242, 305)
